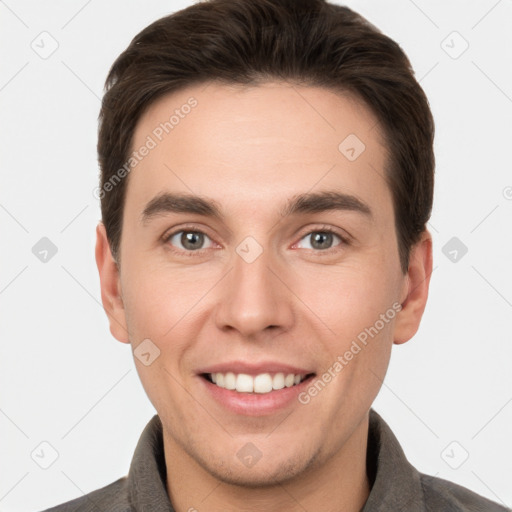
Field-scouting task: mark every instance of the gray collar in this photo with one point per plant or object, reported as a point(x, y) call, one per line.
point(396, 483)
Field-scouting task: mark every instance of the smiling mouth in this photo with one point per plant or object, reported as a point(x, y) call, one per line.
point(261, 383)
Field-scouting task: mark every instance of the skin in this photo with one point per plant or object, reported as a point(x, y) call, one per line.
point(251, 149)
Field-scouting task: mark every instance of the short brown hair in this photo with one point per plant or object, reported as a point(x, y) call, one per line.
point(309, 42)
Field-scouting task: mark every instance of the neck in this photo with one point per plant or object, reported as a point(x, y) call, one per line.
point(332, 483)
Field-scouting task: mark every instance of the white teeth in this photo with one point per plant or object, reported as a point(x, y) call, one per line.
point(262, 383)
point(230, 380)
point(244, 383)
point(288, 380)
point(278, 381)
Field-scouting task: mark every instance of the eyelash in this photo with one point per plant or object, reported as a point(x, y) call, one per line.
point(200, 252)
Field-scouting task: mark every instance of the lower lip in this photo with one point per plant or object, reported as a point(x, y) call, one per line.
point(256, 404)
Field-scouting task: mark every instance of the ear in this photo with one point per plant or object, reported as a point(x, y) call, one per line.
point(110, 282)
point(415, 290)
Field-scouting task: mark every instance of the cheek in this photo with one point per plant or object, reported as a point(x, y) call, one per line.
point(160, 307)
point(159, 301)
point(349, 298)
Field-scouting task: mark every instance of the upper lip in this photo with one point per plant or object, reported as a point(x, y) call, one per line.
point(254, 369)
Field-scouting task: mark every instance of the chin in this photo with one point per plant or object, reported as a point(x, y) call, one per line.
point(261, 478)
point(262, 474)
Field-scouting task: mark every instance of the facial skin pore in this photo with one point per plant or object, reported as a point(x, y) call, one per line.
point(251, 150)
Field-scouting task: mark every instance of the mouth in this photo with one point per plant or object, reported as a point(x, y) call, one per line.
point(262, 383)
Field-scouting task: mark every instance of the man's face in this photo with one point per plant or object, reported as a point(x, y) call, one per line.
point(253, 286)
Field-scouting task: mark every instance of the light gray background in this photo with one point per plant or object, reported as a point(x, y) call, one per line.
point(64, 378)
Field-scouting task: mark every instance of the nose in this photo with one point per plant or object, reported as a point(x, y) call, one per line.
point(254, 299)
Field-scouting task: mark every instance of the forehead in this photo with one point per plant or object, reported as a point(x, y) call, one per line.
point(254, 144)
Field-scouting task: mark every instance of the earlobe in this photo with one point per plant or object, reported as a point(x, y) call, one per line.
point(416, 285)
point(110, 284)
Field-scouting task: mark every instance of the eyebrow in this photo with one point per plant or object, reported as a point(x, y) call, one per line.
point(311, 202)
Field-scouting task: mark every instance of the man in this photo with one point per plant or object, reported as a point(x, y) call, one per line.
point(267, 175)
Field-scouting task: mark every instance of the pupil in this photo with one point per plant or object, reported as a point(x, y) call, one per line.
point(320, 237)
point(190, 239)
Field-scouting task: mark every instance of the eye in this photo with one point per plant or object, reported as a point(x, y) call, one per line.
point(190, 240)
point(322, 240)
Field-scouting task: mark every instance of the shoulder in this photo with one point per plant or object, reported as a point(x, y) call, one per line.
point(443, 495)
point(113, 497)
